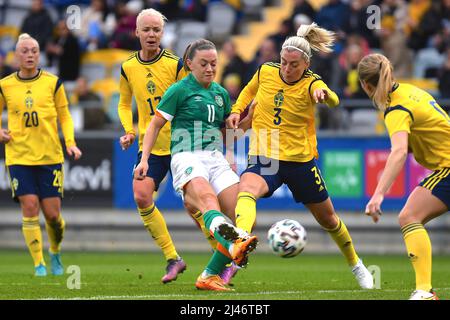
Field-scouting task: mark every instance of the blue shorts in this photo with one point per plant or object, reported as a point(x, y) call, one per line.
point(45, 181)
point(439, 184)
point(158, 166)
point(302, 178)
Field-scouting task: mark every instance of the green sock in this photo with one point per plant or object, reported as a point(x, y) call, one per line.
point(208, 217)
point(217, 263)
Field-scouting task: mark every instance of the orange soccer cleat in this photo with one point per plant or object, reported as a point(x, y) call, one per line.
point(213, 283)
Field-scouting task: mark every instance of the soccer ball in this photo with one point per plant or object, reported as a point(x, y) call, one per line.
point(287, 238)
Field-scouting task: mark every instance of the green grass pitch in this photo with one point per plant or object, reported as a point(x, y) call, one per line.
point(137, 276)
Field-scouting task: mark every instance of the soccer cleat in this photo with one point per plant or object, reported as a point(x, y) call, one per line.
point(40, 271)
point(228, 231)
point(228, 273)
point(241, 249)
point(56, 264)
point(174, 267)
point(362, 275)
point(423, 295)
point(213, 283)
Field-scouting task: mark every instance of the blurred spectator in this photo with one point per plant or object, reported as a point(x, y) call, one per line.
point(303, 7)
point(357, 22)
point(124, 35)
point(444, 77)
point(428, 23)
point(286, 30)
point(38, 23)
point(232, 83)
point(236, 65)
point(95, 28)
point(333, 16)
point(349, 82)
point(5, 69)
point(393, 39)
point(298, 20)
point(65, 49)
point(267, 53)
point(193, 9)
point(94, 115)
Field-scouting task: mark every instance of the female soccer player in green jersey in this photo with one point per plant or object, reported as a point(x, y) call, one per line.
point(36, 102)
point(197, 107)
point(417, 123)
point(283, 145)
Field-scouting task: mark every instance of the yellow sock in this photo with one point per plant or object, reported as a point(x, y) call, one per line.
point(418, 245)
point(198, 217)
point(342, 238)
point(33, 238)
point(55, 232)
point(246, 211)
point(156, 226)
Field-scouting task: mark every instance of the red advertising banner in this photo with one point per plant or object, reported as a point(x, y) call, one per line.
point(375, 160)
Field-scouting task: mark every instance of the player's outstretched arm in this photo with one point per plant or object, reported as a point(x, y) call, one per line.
point(394, 164)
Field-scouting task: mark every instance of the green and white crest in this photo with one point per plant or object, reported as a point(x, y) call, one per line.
point(219, 101)
point(188, 171)
point(151, 87)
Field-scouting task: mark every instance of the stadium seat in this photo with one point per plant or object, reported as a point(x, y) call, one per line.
point(8, 37)
point(364, 121)
point(93, 71)
point(220, 19)
point(14, 16)
point(103, 61)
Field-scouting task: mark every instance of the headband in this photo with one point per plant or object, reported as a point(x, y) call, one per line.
point(298, 49)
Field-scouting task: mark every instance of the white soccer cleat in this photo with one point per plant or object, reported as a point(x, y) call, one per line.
point(423, 295)
point(362, 275)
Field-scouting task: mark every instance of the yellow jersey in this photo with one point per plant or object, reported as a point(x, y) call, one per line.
point(415, 111)
point(283, 121)
point(34, 105)
point(147, 81)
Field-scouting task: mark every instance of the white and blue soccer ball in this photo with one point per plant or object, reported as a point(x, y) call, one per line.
point(287, 238)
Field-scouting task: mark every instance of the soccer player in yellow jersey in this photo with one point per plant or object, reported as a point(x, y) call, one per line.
point(283, 146)
point(36, 101)
point(146, 75)
point(416, 123)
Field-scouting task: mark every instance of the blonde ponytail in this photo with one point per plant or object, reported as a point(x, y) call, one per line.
point(319, 39)
point(309, 37)
point(376, 70)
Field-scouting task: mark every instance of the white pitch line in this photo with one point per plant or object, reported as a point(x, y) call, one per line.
point(262, 293)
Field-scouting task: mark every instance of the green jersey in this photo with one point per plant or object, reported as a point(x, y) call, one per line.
point(196, 114)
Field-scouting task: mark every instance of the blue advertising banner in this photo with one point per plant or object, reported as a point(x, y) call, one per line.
point(351, 168)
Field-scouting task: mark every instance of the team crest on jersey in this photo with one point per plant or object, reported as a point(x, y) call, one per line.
point(151, 87)
point(29, 102)
point(219, 101)
point(279, 98)
point(188, 171)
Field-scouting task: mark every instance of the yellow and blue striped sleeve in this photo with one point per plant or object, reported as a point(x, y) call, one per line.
point(333, 99)
point(2, 103)
point(64, 117)
point(124, 108)
point(398, 118)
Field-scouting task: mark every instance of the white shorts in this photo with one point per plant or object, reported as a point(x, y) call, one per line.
point(210, 165)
